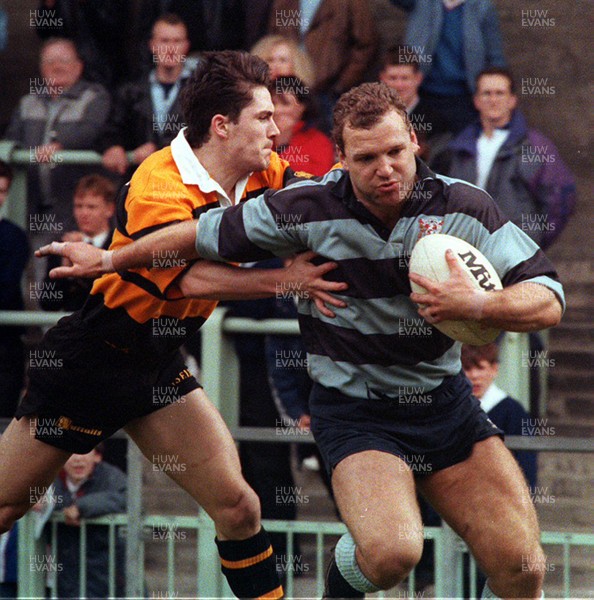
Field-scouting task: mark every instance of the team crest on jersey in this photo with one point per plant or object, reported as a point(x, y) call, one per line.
point(303, 175)
point(429, 226)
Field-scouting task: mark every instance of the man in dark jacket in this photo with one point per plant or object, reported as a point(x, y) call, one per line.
point(146, 113)
point(87, 488)
point(61, 112)
point(518, 166)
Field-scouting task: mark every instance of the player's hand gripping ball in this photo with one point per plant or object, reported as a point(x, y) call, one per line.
point(428, 259)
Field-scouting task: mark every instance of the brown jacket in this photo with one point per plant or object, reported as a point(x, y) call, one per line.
point(341, 39)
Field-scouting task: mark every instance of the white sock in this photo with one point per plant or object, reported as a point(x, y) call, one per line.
point(346, 561)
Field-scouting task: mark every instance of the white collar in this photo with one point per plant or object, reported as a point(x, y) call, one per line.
point(492, 397)
point(193, 173)
point(97, 240)
point(413, 105)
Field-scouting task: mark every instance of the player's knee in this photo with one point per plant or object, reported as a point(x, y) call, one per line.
point(521, 570)
point(390, 562)
point(241, 517)
point(528, 572)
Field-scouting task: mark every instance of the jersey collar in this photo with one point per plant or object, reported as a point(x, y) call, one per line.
point(193, 173)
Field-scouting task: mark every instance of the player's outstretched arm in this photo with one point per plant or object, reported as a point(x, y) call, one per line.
point(88, 261)
point(519, 307)
point(218, 281)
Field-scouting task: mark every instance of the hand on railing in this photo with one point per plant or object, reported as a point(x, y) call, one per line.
point(72, 515)
point(115, 159)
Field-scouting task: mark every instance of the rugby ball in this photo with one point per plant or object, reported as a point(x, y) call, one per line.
point(428, 259)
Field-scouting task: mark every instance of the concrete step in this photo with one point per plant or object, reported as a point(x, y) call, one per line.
point(570, 378)
point(570, 334)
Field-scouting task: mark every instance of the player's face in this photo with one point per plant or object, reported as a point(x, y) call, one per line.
point(251, 139)
point(403, 79)
point(60, 66)
point(169, 44)
point(381, 162)
point(80, 466)
point(92, 213)
point(494, 100)
point(481, 377)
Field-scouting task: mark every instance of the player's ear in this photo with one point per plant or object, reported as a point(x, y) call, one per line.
point(414, 140)
point(342, 158)
point(220, 126)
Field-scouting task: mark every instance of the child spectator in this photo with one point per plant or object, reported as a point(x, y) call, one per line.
point(481, 365)
point(93, 208)
point(86, 488)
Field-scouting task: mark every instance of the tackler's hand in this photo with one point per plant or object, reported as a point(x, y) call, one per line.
point(86, 259)
point(306, 280)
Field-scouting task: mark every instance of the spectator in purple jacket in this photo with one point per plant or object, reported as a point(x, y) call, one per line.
point(518, 166)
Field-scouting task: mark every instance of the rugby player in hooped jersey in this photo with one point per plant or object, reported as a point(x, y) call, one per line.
point(391, 411)
point(116, 363)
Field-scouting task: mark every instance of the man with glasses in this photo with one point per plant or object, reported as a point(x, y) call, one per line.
point(518, 166)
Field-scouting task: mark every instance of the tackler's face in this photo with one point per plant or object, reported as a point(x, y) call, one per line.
point(381, 160)
point(251, 139)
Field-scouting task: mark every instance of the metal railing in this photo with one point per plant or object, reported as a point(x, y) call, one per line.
point(218, 350)
point(449, 579)
point(223, 389)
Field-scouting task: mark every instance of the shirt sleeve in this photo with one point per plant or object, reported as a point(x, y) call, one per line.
point(258, 229)
point(152, 203)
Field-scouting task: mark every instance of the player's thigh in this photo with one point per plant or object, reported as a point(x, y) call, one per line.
point(27, 466)
point(189, 441)
point(485, 499)
point(375, 493)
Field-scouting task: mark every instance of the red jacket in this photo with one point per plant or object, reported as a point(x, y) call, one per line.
point(309, 150)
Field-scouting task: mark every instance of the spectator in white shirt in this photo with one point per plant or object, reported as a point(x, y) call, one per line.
point(93, 209)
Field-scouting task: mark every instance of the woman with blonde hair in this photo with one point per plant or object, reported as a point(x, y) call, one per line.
point(285, 57)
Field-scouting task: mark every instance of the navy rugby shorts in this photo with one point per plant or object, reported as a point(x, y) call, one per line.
point(429, 432)
point(83, 389)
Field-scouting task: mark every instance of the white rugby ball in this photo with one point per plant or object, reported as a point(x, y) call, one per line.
point(428, 259)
